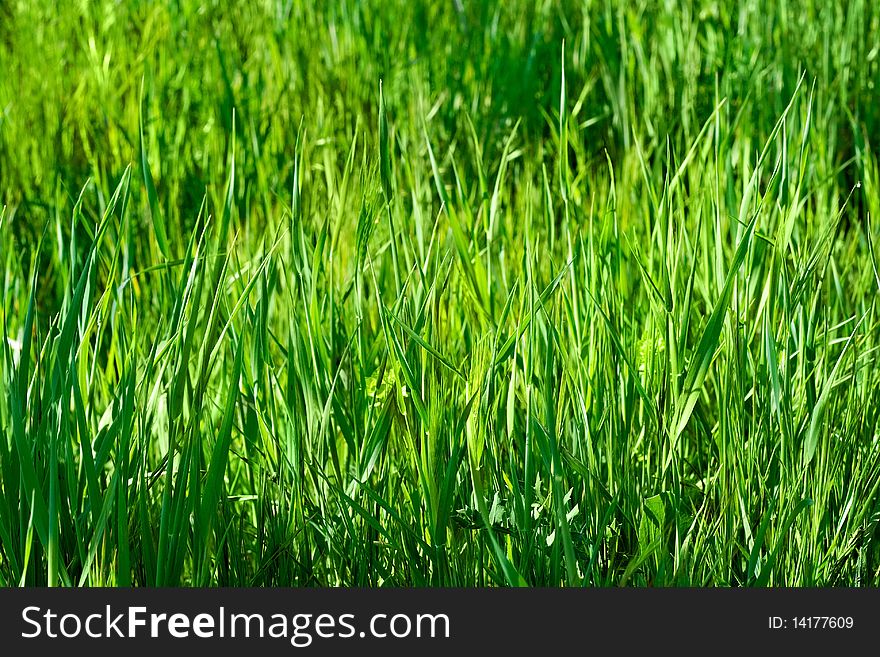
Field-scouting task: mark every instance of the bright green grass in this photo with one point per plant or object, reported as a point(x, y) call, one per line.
point(600, 313)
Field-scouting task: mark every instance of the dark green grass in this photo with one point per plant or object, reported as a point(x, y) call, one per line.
point(417, 294)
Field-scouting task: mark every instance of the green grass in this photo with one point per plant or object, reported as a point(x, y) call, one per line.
point(440, 294)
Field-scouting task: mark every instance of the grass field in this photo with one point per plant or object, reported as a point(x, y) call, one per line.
point(396, 293)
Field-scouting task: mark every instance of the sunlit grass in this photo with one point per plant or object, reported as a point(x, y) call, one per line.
point(390, 294)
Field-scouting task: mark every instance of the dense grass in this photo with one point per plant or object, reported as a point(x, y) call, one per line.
point(579, 294)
